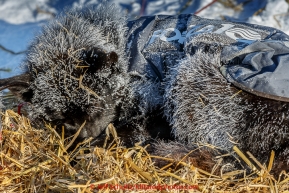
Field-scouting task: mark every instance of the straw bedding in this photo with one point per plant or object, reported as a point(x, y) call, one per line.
point(41, 160)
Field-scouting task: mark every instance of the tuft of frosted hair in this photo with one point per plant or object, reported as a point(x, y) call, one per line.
point(199, 103)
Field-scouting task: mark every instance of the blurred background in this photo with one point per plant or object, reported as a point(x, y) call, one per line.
point(20, 20)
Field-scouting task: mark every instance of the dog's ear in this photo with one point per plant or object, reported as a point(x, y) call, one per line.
point(98, 59)
point(18, 85)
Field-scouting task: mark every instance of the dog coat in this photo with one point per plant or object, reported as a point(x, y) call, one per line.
point(254, 58)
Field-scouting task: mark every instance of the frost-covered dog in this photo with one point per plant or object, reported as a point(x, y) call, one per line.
point(76, 70)
point(215, 82)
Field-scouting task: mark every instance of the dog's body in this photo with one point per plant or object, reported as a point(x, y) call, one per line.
point(90, 65)
point(193, 60)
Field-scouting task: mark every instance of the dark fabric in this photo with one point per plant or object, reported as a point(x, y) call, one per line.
point(254, 58)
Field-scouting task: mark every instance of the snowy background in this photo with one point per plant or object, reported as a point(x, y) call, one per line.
point(21, 20)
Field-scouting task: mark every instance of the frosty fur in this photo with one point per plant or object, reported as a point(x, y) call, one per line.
point(67, 85)
point(202, 107)
point(77, 70)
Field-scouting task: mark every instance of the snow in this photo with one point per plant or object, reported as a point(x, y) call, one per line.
point(275, 15)
point(15, 38)
point(19, 12)
point(21, 20)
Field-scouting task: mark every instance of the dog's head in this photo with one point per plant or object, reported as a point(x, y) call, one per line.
point(76, 71)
